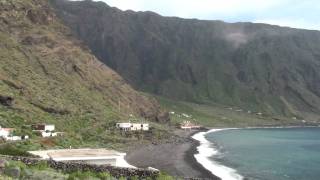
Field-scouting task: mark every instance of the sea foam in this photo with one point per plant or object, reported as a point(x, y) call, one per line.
point(207, 151)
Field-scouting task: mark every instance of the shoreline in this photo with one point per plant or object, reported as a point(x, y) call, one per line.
point(186, 158)
point(190, 157)
point(205, 151)
point(175, 158)
point(224, 172)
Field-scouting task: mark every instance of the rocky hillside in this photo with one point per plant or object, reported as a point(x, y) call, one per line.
point(257, 67)
point(46, 75)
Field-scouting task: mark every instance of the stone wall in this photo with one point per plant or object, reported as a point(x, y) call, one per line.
point(69, 167)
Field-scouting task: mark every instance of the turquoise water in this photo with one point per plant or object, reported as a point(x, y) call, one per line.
point(270, 154)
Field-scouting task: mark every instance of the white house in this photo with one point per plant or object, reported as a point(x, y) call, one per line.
point(49, 127)
point(145, 127)
point(45, 130)
point(124, 126)
point(139, 126)
point(25, 137)
point(5, 132)
point(89, 156)
point(48, 134)
point(133, 126)
point(43, 127)
point(13, 138)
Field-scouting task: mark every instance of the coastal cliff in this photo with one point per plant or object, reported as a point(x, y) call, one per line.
point(258, 67)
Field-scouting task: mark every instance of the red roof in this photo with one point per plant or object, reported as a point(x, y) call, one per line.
point(8, 129)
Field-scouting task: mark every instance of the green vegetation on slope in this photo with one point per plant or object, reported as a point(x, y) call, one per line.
point(260, 67)
point(47, 76)
point(220, 116)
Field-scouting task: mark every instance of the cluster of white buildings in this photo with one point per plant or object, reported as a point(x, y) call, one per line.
point(7, 134)
point(133, 126)
point(187, 124)
point(45, 130)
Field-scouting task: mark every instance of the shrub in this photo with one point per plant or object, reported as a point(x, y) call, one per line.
point(42, 165)
point(12, 150)
point(165, 176)
point(89, 175)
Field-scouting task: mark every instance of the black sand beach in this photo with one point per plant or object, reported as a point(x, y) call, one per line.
point(177, 159)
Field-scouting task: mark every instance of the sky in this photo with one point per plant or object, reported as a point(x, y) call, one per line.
point(303, 14)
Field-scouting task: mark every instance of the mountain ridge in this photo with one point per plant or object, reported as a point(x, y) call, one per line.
point(257, 67)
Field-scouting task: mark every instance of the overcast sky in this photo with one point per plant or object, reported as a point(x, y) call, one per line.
point(293, 13)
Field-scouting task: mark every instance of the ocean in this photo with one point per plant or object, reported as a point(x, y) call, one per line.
point(261, 153)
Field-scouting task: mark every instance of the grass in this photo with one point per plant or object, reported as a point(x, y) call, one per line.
point(211, 115)
point(22, 171)
point(54, 79)
point(13, 150)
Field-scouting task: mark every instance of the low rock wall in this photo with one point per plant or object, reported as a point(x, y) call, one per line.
point(69, 167)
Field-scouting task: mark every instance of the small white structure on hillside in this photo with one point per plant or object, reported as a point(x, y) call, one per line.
point(188, 125)
point(13, 138)
point(45, 130)
point(124, 126)
point(133, 126)
point(7, 134)
point(89, 156)
point(186, 115)
point(43, 127)
point(48, 134)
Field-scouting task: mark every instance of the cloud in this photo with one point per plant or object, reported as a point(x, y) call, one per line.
point(237, 38)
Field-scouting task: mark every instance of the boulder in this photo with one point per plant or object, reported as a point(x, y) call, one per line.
point(6, 100)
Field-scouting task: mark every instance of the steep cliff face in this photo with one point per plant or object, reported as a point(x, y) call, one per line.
point(254, 66)
point(46, 75)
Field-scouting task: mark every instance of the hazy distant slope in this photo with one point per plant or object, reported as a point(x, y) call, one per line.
point(254, 66)
point(53, 78)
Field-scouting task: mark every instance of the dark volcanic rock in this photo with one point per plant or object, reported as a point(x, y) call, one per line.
point(6, 100)
point(40, 16)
